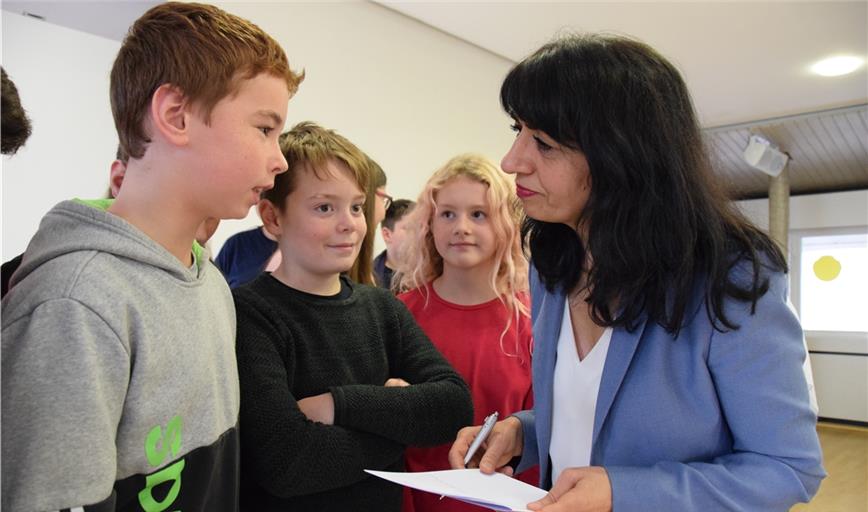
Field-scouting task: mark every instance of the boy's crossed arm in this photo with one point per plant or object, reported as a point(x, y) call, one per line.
point(292, 454)
point(428, 411)
point(321, 407)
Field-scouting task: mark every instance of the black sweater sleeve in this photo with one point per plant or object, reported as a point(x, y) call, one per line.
point(428, 412)
point(288, 454)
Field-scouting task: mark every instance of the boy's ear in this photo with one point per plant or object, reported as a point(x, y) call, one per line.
point(270, 217)
point(169, 112)
point(116, 176)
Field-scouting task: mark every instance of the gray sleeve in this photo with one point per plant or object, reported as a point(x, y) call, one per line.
point(64, 380)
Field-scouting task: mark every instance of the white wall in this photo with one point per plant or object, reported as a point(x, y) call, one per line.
point(815, 211)
point(407, 94)
point(62, 79)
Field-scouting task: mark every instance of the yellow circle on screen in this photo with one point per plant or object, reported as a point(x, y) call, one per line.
point(827, 268)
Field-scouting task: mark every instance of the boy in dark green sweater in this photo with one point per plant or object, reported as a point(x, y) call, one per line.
point(336, 377)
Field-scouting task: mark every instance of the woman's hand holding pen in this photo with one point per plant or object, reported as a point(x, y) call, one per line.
point(504, 443)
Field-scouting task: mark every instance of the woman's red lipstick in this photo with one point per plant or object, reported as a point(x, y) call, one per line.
point(523, 192)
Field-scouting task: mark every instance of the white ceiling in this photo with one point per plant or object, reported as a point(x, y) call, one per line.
point(743, 61)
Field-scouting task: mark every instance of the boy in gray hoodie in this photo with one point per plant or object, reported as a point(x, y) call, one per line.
point(119, 382)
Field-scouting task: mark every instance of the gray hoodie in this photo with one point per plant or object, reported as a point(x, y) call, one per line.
point(118, 362)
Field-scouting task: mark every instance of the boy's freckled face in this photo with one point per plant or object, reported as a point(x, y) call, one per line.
point(238, 151)
point(323, 222)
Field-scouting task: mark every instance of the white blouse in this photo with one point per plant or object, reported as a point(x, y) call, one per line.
point(576, 385)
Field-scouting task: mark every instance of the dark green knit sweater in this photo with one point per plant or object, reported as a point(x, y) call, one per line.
point(292, 345)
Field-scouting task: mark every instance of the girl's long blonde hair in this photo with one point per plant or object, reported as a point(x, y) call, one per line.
point(421, 263)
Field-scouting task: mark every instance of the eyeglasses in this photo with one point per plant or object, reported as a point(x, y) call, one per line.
point(387, 199)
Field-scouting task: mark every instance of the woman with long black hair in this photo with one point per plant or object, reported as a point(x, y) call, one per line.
point(667, 368)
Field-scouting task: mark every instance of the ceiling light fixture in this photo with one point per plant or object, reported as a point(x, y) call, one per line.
point(837, 66)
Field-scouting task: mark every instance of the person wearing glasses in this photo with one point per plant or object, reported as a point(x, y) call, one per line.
point(382, 206)
point(377, 200)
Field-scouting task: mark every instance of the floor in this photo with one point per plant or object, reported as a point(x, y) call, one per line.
point(845, 456)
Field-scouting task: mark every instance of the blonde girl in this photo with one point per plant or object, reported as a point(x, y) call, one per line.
point(464, 278)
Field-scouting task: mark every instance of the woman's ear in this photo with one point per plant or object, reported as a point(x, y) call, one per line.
point(169, 114)
point(270, 216)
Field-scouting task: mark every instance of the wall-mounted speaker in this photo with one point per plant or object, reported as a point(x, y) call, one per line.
point(763, 155)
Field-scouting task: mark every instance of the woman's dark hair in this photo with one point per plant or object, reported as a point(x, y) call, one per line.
point(659, 223)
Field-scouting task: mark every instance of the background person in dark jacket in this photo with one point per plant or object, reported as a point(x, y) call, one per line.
point(393, 229)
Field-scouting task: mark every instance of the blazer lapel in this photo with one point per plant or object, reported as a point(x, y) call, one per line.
point(622, 347)
point(546, 329)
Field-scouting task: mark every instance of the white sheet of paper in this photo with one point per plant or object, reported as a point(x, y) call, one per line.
point(497, 491)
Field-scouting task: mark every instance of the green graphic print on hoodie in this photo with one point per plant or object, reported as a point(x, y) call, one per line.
point(119, 382)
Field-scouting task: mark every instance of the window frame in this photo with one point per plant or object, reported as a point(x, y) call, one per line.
point(795, 271)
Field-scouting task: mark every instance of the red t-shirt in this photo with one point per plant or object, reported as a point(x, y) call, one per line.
point(498, 373)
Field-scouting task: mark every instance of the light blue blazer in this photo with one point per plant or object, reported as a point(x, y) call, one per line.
point(705, 421)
